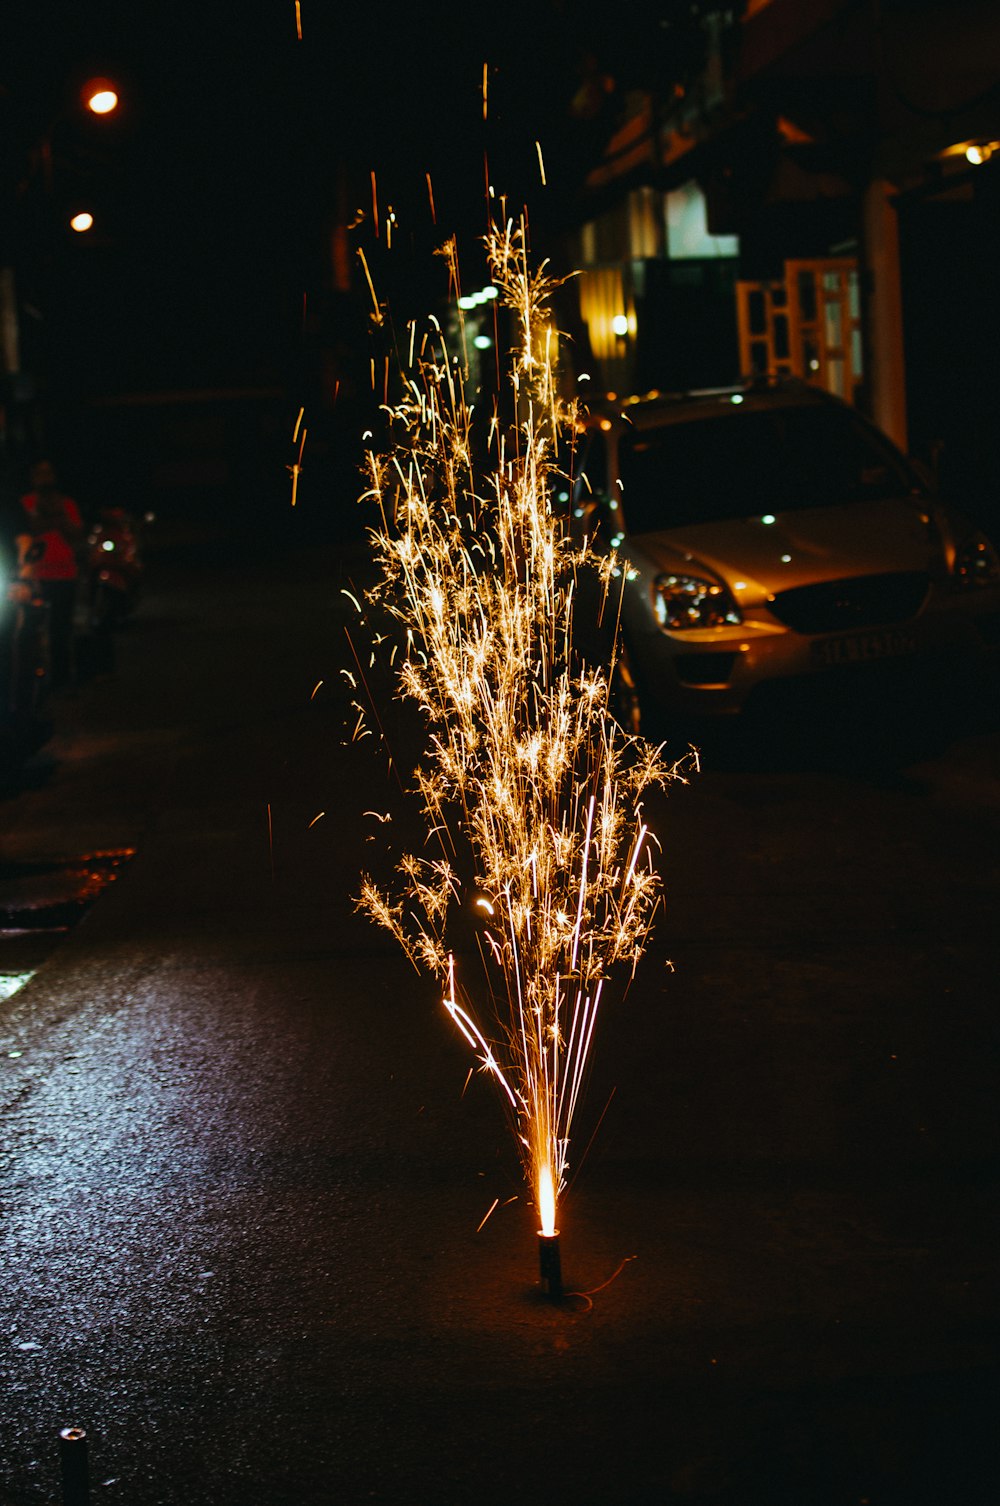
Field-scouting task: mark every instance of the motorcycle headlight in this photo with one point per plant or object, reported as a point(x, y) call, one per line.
point(692, 601)
point(977, 562)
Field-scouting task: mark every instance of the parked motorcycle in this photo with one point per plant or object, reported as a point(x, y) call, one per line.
point(113, 569)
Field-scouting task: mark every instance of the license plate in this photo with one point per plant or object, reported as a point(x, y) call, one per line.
point(863, 648)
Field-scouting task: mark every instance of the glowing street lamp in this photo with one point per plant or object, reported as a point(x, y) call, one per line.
point(100, 96)
point(82, 222)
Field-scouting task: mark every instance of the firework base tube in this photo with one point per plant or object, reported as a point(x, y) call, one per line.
point(75, 1470)
point(549, 1265)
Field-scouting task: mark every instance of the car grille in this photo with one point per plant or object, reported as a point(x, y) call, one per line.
point(841, 605)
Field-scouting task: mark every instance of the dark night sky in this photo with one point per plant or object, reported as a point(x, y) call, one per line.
point(216, 183)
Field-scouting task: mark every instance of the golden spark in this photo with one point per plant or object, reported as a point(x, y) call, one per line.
point(295, 469)
point(491, 1209)
point(377, 315)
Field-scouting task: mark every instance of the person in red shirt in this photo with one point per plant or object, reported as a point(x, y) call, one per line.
point(55, 530)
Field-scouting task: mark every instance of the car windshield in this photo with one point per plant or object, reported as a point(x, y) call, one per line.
point(749, 461)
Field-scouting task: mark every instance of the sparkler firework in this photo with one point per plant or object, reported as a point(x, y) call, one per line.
point(531, 792)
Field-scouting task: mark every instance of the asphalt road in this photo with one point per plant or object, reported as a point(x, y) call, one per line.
point(241, 1183)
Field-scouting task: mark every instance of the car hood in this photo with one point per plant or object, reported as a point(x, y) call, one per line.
point(798, 548)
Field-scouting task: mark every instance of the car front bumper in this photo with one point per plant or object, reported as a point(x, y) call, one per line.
point(715, 673)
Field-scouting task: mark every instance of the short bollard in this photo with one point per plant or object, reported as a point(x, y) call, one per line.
point(75, 1469)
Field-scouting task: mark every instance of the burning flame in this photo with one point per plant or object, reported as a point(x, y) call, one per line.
point(531, 793)
point(546, 1201)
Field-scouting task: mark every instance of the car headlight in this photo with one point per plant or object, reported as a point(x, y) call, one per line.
point(692, 601)
point(977, 562)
